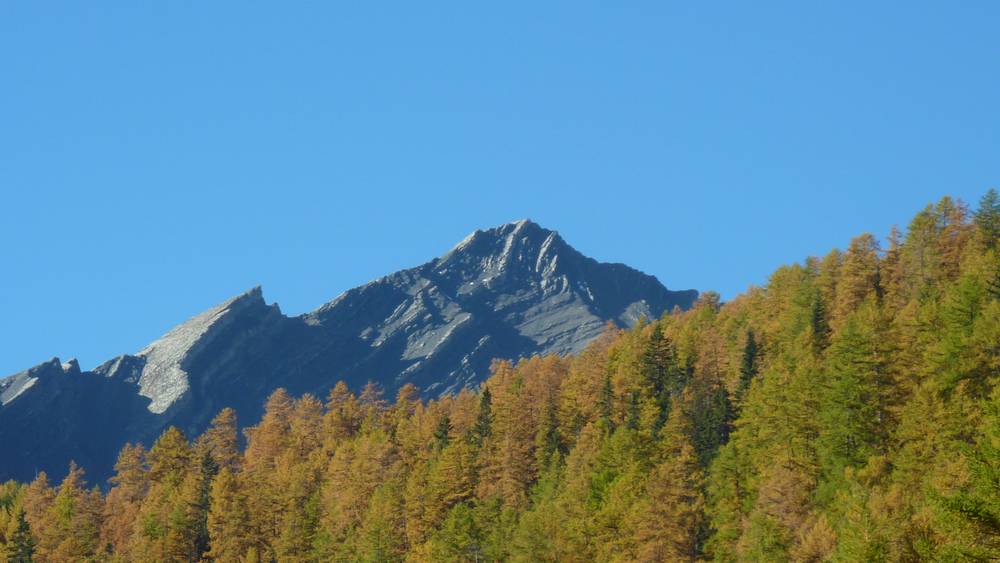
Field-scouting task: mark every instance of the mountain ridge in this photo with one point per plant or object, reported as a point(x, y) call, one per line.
point(511, 291)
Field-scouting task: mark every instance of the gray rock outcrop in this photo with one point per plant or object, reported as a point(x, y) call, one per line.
point(507, 292)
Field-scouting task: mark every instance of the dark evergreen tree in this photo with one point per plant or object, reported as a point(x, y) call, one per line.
point(208, 468)
point(606, 403)
point(442, 432)
point(973, 513)
point(662, 373)
point(711, 415)
point(20, 543)
point(748, 365)
point(987, 218)
point(854, 409)
point(633, 416)
point(549, 444)
point(483, 426)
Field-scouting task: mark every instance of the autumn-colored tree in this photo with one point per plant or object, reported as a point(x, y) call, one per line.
point(669, 521)
point(221, 441)
point(846, 410)
point(171, 524)
point(343, 416)
point(130, 484)
point(72, 521)
point(229, 526)
point(36, 500)
point(507, 458)
point(859, 276)
point(267, 440)
point(356, 470)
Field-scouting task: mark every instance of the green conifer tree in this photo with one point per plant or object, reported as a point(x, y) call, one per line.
point(20, 543)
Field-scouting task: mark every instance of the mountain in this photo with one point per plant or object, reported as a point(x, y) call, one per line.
point(508, 292)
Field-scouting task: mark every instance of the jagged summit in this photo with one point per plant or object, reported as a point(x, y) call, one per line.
point(511, 291)
point(164, 378)
point(498, 232)
point(485, 254)
point(12, 387)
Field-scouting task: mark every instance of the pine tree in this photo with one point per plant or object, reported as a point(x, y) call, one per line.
point(706, 400)
point(987, 218)
point(606, 402)
point(199, 500)
point(748, 365)
point(662, 373)
point(20, 543)
point(819, 325)
point(459, 538)
point(972, 514)
point(854, 413)
point(711, 416)
point(548, 439)
point(442, 432)
point(483, 427)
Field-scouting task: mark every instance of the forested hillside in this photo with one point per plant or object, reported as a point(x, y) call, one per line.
point(846, 411)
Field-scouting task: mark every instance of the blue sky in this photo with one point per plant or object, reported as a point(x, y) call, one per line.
point(159, 157)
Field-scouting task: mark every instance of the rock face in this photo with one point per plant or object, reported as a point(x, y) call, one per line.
point(508, 292)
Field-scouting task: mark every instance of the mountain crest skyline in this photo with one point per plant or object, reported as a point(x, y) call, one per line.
point(506, 292)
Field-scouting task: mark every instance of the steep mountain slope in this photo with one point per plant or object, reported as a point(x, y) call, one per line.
point(508, 292)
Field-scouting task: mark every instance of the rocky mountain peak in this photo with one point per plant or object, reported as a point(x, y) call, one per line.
point(508, 292)
point(13, 386)
point(164, 377)
point(522, 246)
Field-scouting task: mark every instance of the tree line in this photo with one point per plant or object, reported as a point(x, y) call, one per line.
point(848, 410)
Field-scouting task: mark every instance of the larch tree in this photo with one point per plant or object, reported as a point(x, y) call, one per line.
point(130, 484)
point(669, 519)
point(72, 521)
point(229, 525)
point(221, 441)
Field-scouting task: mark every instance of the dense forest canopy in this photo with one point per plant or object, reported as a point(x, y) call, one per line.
point(846, 411)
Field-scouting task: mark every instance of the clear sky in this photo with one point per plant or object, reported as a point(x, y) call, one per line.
point(157, 158)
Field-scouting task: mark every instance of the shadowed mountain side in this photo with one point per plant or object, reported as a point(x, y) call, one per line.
point(508, 292)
